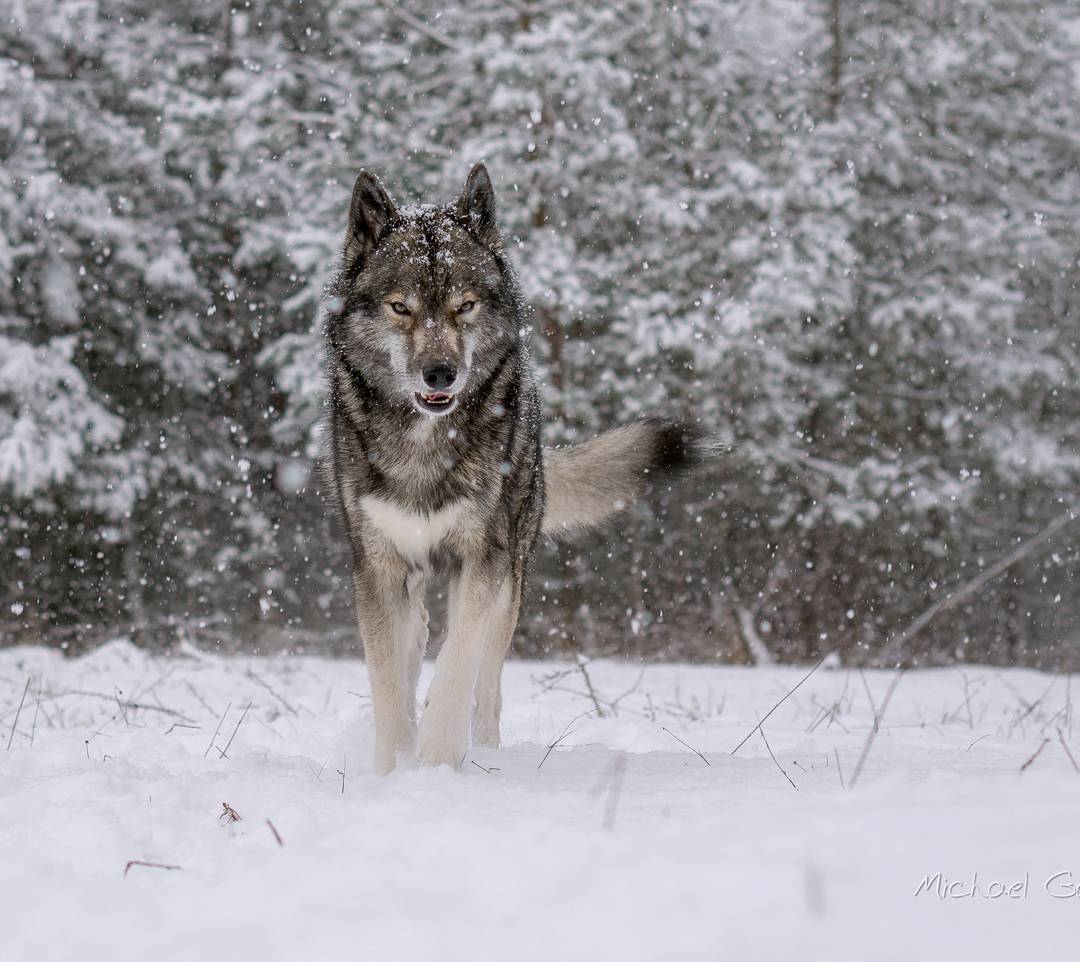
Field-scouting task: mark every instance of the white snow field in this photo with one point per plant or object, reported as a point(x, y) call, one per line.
point(623, 845)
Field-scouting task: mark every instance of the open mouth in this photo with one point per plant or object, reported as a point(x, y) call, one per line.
point(436, 403)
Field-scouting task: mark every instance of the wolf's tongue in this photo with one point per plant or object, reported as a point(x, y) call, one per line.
point(436, 398)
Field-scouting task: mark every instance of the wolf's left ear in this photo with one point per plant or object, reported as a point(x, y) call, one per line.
point(477, 205)
point(370, 210)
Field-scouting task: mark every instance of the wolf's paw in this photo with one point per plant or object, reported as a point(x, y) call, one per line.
point(385, 762)
point(485, 730)
point(442, 745)
point(394, 742)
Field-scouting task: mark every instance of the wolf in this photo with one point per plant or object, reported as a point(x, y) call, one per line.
point(434, 456)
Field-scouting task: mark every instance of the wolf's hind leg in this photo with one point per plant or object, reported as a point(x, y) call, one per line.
point(388, 627)
point(480, 602)
point(488, 708)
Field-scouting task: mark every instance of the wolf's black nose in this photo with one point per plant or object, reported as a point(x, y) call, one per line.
point(439, 376)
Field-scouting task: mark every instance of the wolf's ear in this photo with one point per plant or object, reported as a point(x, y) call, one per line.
point(477, 205)
point(370, 210)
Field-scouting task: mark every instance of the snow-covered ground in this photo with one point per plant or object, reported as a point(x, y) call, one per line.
point(623, 844)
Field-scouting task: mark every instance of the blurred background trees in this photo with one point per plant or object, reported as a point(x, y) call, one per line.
point(845, 234)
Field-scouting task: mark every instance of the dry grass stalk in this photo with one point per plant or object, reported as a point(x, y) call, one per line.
point(18, 712)
point(761, 731)
point(868, 744)
point(1035, 754)
point(565, 732)
point(691, 747)
point(259, 681)
point(221, 721)
point(228, 744)
point(757, 727)
point(1065, 745)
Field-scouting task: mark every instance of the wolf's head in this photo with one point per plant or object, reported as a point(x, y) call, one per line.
point(427, 304)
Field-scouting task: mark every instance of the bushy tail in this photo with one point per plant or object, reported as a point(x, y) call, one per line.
point(587, 483)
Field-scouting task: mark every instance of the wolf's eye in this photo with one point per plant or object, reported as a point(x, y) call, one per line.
point(398, 307)
point(466, 307)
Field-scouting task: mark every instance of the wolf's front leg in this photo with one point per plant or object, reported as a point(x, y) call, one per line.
point(393, 625)
point(480, 601)
point(488, 707)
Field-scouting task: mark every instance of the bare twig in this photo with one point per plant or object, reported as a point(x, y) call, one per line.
point(1029, 707)
point(270, 728)
point(276, 833)
point(221, 721)
point(1035, 754)
point(869, 697)
point(481, 767)
point(589, 686)
point(42, 697)
point(341, 771)
point(757, 727)
point(120, 707)
point(228, 814)
point(977, 740)
point(1068, 700)
point(552, 678)
point(168, 868)
point(967, 701)
point(614, 703)
point(1065, 745)
point(839, 770)
point(143, 692)
point(608, 707)
point(1053, 718)
point(37, 708)
point(259, 681)
point(199, 698)
point(761, 732)
point(18, 712)
point(108, 721)
point(873, 732)
point(691, 747)
point(180, 725)
point(829, 713)
point(127, 704)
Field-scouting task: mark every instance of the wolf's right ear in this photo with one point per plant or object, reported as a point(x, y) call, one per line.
point(370, 210)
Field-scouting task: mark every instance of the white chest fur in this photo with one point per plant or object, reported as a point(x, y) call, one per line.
point(414, 535)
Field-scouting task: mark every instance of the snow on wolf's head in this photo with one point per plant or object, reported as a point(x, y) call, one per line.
point(426, 304)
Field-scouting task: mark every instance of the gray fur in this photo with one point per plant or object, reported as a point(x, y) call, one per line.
point(460, 487)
